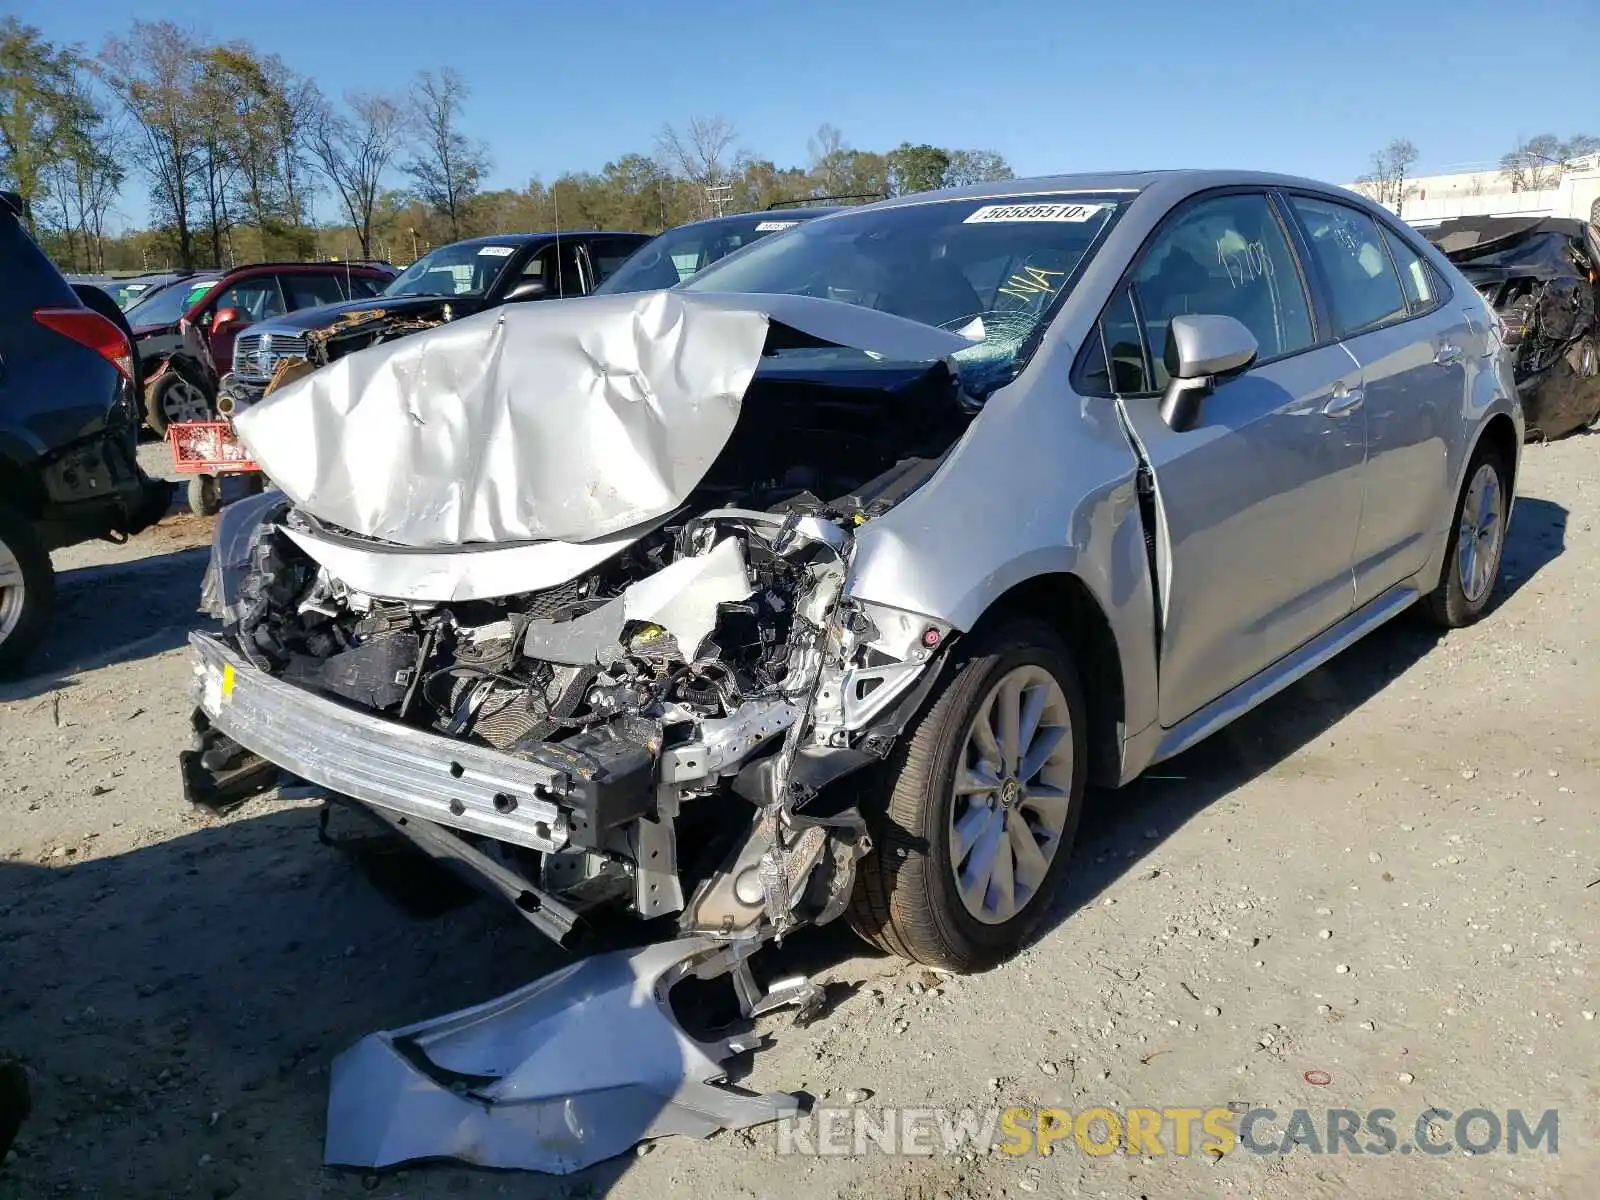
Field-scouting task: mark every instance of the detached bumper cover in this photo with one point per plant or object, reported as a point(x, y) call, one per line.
point(571, 1070)
point(384, 764)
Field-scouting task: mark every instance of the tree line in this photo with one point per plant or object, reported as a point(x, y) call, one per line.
point(238, 152)
point(1532, 165)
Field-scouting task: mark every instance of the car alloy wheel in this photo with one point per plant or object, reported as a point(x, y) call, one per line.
point(183, 401)
point(1009, 805)
point(13, 591)
point(27, 589)
point(1481, 533)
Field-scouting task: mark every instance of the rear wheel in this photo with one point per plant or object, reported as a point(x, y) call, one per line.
point(985, 790)
point(27, 590)
point(1584, 358)
point(1477, 541)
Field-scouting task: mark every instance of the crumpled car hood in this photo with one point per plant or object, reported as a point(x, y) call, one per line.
point(565, 420)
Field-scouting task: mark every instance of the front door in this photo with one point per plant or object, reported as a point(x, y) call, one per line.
point(249, 300)
point(1259, 502)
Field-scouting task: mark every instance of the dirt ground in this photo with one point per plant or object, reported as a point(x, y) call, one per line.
point(1383, 876)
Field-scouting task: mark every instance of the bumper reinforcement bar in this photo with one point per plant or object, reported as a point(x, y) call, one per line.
point(389, 766)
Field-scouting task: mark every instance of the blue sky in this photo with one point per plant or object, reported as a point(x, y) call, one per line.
point(1057, 86)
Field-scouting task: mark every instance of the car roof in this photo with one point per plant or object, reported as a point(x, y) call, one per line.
point(774, 214)
point(299, 266)
point(522, 239)
point(1177, 182)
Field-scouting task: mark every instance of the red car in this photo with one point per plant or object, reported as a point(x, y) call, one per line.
point(184, 333)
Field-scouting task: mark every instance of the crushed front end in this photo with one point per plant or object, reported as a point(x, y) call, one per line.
point(669, 719)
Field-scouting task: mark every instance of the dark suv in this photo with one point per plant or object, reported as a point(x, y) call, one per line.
point(185, 332)
point(69, 427)
point(453, 281)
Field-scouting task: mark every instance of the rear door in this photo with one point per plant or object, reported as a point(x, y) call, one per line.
point(1259, 502)
point(1389, 308)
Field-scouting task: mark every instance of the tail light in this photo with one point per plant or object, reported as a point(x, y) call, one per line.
point(90, 329)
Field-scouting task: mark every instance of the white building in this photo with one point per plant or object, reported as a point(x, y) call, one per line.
point(1433, 198)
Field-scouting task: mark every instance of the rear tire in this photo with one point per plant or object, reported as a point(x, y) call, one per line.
point(1477, 542)
point(910, 899)
point(27, 590)
point(1583, 356)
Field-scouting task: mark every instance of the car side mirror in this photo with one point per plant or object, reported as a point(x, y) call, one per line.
point(224, 317)
point(1202, 351)
point(528, 289)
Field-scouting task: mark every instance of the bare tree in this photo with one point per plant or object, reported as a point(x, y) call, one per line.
point(1537, 162)
point(87, 173)
point(449, 166)
point(1391, 169)
point(154, 72)
point(354, 152)
point(294, 107)
point(829, 160)
point(700, 154)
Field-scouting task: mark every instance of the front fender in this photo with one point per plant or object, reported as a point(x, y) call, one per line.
point(1043, 483)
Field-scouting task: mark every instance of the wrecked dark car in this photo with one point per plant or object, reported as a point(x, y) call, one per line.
point(1542, 276)
point(822, 585)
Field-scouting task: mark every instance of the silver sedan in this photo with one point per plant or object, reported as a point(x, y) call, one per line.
point(826, 582)
point(1232, 423)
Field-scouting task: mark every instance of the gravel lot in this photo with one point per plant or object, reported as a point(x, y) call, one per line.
point(1383, 875)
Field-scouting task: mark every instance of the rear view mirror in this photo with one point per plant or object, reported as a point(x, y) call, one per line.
point(528, 289)
point(1202, 351)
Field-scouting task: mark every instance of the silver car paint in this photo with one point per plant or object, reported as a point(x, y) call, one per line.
point(1043, 482)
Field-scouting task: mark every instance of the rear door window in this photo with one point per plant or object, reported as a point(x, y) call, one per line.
point(1417, 280)
point(308, 290)
point(607, 254)
point(1349, 253)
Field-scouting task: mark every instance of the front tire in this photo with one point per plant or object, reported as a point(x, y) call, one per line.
point(1477, 542)
point(175, 398)
point(27, 590)
point(984, 793)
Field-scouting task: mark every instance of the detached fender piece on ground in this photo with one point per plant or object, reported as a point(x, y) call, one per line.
point(573, 1069)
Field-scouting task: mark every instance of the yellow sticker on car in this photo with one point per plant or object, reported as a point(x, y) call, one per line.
point(227, 681)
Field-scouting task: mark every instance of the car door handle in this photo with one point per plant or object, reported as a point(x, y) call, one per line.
point(1448, 355)
point(1345, 401)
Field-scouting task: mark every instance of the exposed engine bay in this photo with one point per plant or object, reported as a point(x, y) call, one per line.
point(690, 699)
